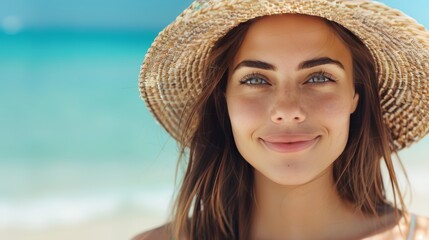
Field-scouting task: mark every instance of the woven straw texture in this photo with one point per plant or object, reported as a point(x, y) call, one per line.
point(171, 74)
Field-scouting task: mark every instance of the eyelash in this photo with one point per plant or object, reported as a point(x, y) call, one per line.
point(328, 77)
point(246, 80)
point(322, 74)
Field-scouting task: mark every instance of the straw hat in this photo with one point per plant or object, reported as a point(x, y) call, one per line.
point(171, 74)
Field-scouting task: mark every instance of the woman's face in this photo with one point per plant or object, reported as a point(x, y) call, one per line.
point(290, 94)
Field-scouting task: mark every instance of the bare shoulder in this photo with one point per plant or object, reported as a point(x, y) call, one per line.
point(159, 233)
point(421, 230)
point(410, 226)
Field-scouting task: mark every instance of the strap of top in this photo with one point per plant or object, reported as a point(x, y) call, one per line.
point(412, 227)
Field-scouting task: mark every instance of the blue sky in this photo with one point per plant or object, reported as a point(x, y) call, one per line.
point(122, 14)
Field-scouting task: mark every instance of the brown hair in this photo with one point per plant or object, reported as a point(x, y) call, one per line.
point(216, 196)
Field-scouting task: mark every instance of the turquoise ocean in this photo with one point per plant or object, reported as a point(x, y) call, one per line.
point(76, 140)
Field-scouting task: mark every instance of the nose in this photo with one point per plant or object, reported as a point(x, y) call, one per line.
point(287, 108)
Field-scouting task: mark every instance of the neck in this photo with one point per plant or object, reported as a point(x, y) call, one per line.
point(310, 211)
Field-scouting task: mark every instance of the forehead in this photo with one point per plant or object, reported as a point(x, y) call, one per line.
point(281, 37)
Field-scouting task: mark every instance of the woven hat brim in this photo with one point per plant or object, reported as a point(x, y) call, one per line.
point(171, 75)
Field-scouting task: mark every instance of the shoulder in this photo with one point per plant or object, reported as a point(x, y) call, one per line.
point(160, 233)
point(410, 227)
point(419, 227)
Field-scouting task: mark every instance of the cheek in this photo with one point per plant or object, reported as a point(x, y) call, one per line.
point(333, 114)
point(331, 106)
point(245, 113)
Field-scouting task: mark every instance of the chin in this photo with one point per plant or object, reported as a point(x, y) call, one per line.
point(297, 177)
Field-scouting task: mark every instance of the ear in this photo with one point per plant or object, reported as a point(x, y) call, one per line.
point(354, 103)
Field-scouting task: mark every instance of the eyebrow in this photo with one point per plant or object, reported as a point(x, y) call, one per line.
point(319, 61)
point(304, 65)
point(255, 64)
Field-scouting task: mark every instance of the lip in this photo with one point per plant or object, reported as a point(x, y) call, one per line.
point(289, 143)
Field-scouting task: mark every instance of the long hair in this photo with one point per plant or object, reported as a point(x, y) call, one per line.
point(216, 195)
point(357, 171)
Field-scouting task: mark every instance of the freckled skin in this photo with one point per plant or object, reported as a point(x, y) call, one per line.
point(288, 103)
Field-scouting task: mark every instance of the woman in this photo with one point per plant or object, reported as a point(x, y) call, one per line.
point(285, 111)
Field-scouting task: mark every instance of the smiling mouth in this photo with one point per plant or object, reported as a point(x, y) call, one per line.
point(289, 146)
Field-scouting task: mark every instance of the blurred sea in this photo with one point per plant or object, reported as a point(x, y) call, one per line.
point(76, 141)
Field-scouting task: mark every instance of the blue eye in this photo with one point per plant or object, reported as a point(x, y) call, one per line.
point(254, 80)
point(320, 77)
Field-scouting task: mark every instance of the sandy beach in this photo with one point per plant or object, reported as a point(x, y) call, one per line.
point(111, 227)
